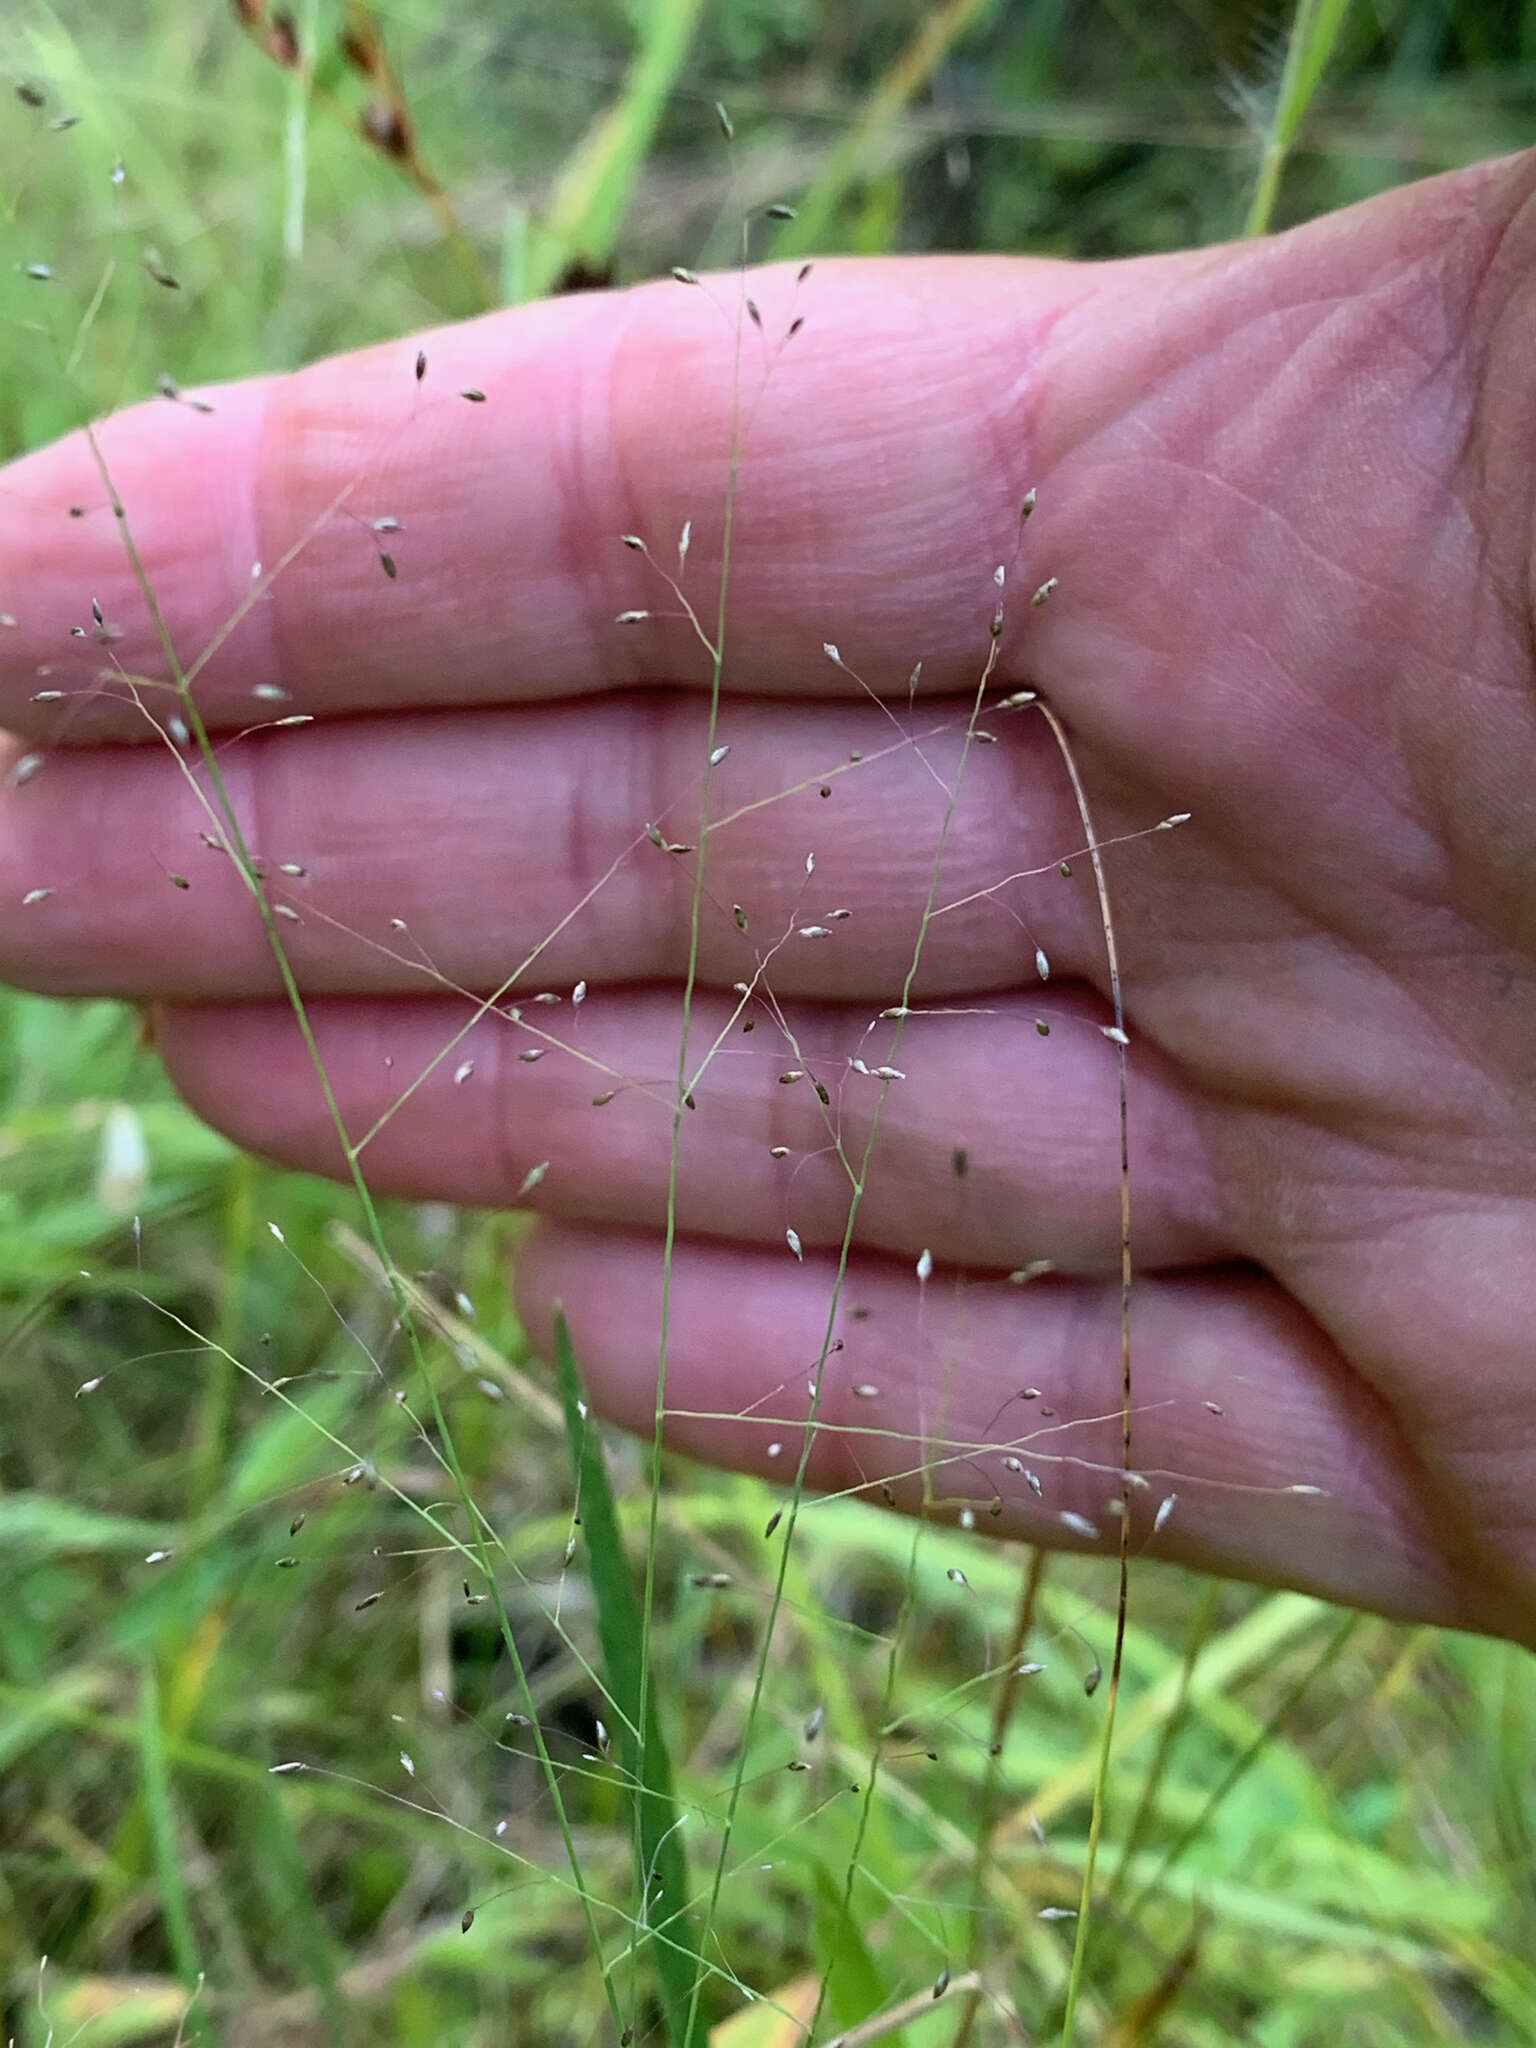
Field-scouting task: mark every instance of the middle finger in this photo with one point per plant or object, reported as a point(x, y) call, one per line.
point(517, 847)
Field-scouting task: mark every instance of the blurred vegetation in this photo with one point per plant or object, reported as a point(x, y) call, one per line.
point(1329, 1822)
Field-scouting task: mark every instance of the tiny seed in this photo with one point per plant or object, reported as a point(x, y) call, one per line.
point(475, 397)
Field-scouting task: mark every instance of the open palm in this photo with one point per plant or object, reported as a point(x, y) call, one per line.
point(1285, 490)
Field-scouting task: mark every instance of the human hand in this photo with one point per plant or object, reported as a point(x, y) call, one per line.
point(1285, 489)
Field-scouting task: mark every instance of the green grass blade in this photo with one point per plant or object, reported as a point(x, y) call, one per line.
point(855, 1987)
point(863, 149)
point(155, 1789)
point(1315, 29)
point(661, 1861)
point(593, 189)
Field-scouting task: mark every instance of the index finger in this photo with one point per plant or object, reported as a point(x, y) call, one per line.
point(454, 504)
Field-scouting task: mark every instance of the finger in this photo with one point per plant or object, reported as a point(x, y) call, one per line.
point(872, 507)
point(1238, 1401)
point(489, 842)
point(995, 1146)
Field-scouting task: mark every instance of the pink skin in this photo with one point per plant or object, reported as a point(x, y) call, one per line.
point(1286, 490)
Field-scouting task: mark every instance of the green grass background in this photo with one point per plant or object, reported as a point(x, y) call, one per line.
point(1319, 1830)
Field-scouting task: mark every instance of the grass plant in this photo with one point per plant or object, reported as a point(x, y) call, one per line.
point(354, 1681)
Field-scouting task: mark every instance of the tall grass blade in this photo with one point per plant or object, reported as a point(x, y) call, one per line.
point(1315, 29)
point(593, 190)
point(855, 1986)
point(155, 1788)
point(861, 149)
point(661, 1863)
